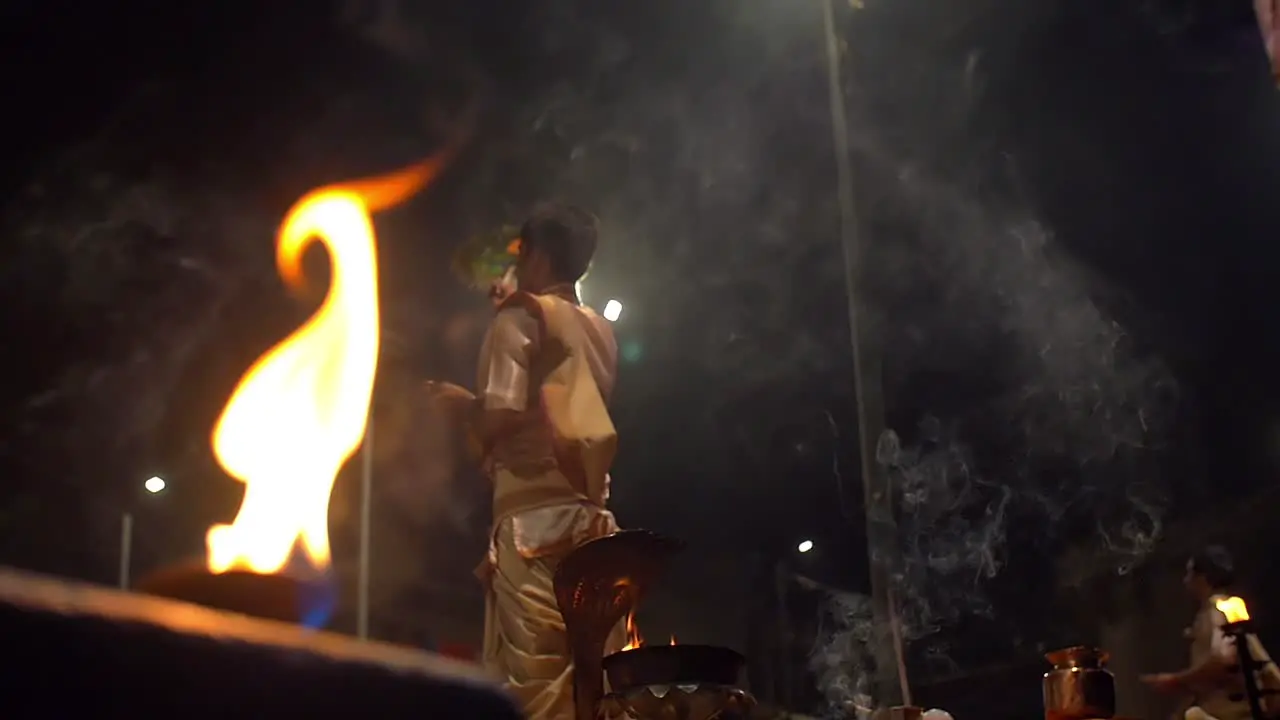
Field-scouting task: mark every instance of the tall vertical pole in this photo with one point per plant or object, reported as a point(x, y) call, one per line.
point(786, 640)
point(126, 548)
point(366, 503)
point(891, 681)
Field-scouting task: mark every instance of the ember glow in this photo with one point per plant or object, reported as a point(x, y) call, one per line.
point(1234, 608)
point(300, 411)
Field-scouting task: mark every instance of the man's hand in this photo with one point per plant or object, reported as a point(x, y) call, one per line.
point(459, 407)
point(453, 400)
point(1163, 682)
point(502, 289)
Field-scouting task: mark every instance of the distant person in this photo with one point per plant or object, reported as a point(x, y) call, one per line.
point(1212, 687)
point(548, 458)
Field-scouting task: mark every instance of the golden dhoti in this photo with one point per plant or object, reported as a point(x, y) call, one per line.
point(525, 644)
point(524, 636)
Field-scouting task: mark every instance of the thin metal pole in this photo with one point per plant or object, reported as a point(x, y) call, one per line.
point(891, 685)
point(785, 638)
point(366, 503)
point(126, 548)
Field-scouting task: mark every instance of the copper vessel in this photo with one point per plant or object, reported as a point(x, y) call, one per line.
point(597, 586)
point(673, 665)
point(676, 682)
point(1079, 687)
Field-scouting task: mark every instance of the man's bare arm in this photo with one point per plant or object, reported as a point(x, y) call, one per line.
point(1213, 668)
point(1217, 665)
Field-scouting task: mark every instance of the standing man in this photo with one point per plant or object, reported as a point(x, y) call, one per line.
point(547, 368)
point(1212, 687)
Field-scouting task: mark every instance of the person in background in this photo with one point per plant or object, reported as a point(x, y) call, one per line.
point(547, 458)
point(1212, 687)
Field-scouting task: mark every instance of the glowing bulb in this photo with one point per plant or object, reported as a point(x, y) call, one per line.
point(154, 484)
point(612, 310)
point(805, 546)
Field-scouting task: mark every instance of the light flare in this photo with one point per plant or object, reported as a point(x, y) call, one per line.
point(300, 411)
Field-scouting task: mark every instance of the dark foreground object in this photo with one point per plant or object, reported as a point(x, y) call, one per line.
point(72, 650)
point(270, 597)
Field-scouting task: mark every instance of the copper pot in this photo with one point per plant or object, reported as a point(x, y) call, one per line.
point(1079, 687)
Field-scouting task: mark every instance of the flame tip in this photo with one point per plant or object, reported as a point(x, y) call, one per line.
point(634, 639)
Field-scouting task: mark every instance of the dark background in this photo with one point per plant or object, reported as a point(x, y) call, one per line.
point(1068, 209)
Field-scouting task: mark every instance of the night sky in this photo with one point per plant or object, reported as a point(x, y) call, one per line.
point(1068, 211)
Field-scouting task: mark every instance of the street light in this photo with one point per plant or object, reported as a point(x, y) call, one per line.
point(805, 546)
point(154, 484)
point(612, 310)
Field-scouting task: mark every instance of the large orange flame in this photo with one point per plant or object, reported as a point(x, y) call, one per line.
point(1234, 608)
point(300, 411)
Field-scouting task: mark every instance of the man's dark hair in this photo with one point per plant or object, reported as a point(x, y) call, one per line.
point(1213, 563)
point(566, 234)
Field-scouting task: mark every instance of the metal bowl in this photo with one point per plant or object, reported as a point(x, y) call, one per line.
point(673, 665)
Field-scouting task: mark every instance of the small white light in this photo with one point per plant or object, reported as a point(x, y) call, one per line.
point(154, 484)
point(805, 546)
point(612, 310)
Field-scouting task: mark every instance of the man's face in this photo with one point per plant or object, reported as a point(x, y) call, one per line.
point(531, 270)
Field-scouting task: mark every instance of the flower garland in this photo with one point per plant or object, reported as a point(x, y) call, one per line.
point(483, 259)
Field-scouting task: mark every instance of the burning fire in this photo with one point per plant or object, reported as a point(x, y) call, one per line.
point(300, 411)
point(1234, 608)
point(634, 638)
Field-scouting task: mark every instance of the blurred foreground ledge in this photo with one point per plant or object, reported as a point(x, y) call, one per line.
point(71, 647)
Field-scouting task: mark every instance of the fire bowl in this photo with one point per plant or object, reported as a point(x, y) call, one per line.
point(673, 665)
point(269, 597)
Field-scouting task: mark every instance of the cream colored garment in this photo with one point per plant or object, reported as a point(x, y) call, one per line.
point(573, 395)
point(555, 529)
point(525, 643)
point(505, 360)
point(511, 340)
